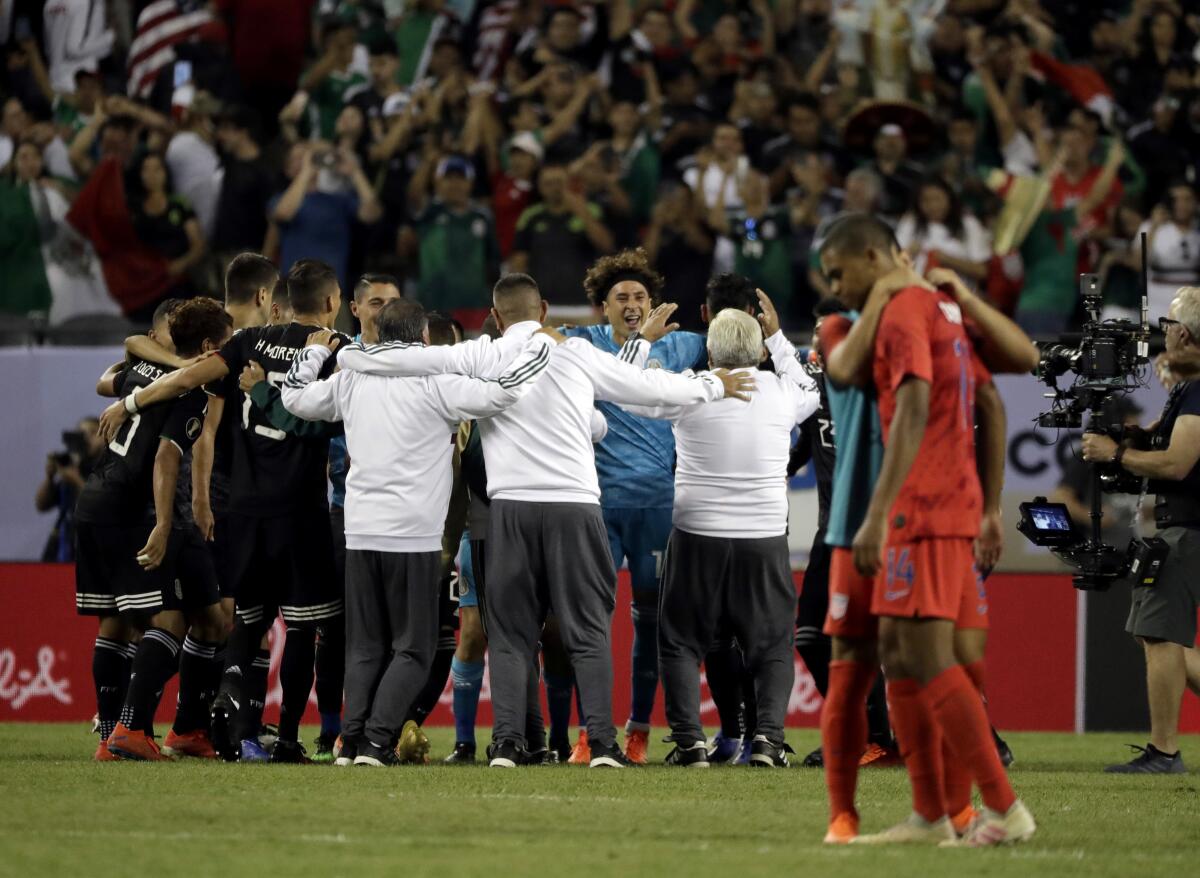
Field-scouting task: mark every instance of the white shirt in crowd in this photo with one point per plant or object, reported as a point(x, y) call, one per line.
point(540, 450)
point(1174, 263)
point(708, 187)
point(399, 434)
point(974, 243)
point(76, 37)
point(731, 456)
point(196, 174)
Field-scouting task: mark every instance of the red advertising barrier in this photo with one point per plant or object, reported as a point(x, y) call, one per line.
point(46, 655)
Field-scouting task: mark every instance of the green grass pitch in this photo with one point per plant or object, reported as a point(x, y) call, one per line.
point(61, 814)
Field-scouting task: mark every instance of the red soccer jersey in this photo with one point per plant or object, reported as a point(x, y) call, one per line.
point(921, 335)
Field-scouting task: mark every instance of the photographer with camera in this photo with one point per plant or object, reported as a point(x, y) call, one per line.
point(66, 471)
point(1163, 615)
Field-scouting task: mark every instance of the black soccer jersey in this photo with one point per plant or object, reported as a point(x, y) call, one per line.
point(121, 488)
point(274, 472)
point(816, 445)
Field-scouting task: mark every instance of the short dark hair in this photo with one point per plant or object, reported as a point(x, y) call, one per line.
point(164, 310)
point(401, 320)
point(441, 328)
point(280, 295)
point(829, 305)
point(608, 271)
point(514, 294)
point(308, 283)
point(196, 321)
point(730, 290)
point(855, 233)
point(383, 46)
point(805, 99)
point(246, 274)
point(242, 118)
point(366, 281)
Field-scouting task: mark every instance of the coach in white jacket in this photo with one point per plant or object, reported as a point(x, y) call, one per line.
point(398, 433)
point(727, 564)
point(547, 546)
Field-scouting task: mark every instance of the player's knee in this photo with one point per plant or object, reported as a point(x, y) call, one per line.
point(970, 644)
point(171, 621)
point(114, 628)
point(852, 649)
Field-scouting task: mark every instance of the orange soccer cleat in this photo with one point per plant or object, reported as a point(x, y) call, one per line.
point(880, 757)
point(581, 754)
point(842, 829)
point(194, 744)
point(102, 754)
point(125, 743)
point(963, 819)
point(636, 742)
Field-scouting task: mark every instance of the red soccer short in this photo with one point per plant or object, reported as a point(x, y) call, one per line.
point(931, 579)
point(850, 595)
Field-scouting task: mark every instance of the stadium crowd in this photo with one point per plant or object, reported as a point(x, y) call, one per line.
point(926, 178)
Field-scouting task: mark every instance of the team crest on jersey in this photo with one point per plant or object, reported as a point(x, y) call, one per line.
point(951, 312)
point(178, 590)
point(479, 228)
point(192, 428)
point(654, 364)
point(838, 605)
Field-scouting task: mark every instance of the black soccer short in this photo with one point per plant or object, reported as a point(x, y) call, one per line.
point(285, 564)
point(814, 596)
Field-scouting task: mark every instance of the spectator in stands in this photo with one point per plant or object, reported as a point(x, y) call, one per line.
point(717, 178)
point(686, 118)
point(1162, 37)
point(165, 222)
point(558, 238)
point(247, 184)
point(801, 139)
point(760, 233)
point(598, 175)
point(899, 175)
point(1161, 147)
point(680, 247)
point(77, 37)
point(66, 471)
point(1121, 267)
point(636, 155)
point(937, 232)
point(1173, 247)
point(331, 81)
point(512, 188)
point(192, 159)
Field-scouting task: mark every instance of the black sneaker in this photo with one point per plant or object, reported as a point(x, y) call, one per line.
point(815, 759)
point(693, 756)
point(562, 750)
point(506, 754)
point(765, 754)
point(324, 745)
point(463, 754)
point(371, 754)
point(1005, 752)
point(289, 753)
point(1151, 761)
point(348, 753)
point(609, 757)
point(220, 719)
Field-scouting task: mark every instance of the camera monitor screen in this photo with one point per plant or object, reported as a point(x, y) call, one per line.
point(1050, 518)
point(1047, 524)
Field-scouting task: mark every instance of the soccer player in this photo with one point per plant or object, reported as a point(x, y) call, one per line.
point(281, 544)
point(129, 501)
point(635, 464)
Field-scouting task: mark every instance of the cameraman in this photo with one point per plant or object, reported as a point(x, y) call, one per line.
point(1163, 616)
point(66, 471)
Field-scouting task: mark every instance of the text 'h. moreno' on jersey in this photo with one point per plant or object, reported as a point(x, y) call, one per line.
point(921, 335)
point(120, 489)
point(274, 472)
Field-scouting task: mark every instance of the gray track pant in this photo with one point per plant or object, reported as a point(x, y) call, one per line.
point(741, 586)
point(542, 557)
point(391, 634)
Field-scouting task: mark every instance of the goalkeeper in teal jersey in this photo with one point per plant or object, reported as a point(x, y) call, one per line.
point(636, 461)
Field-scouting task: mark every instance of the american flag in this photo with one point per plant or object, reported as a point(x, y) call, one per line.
point(160, 26)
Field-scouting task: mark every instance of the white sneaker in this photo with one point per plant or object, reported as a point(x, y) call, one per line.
point(914, 830)
point(993, 828)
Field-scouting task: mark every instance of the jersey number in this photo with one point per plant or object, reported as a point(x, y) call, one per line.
point(121, 446)
point(825, 430)
point(899, 569)
point(275, 379)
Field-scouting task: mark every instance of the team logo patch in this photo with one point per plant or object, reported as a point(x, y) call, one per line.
point(192, 427)
point(178, 590)
point(838, 605)
point(654, 364)
point(479, 228)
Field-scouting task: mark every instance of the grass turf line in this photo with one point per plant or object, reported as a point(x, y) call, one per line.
point(64, 815)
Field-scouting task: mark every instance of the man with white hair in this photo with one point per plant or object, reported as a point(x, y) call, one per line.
point(727, 562)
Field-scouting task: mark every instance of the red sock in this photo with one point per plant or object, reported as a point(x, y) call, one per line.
point(956, 778)
point(920, 743)
point(844, 730)
point(959, 711)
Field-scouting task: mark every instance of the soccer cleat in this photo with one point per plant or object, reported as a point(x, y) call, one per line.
point(562, 750)
point(463, 754)
point(767, 754)
point(371, 754)
point(194, 744)
point(843, 828)
point(326, 751)
point(289, 753)
point(993, 828)
point(1003, 750)
point(815, 759)
point(347, 751)
point(220, 717)
point(1151, 761)
point(413, 746)
point(506, 754)
point(124, 743)
point(914, 830)
point(636, 742)
point(608, 757)
point(964, 820)
point(545, 756)
point(694, 756)
point(252, 751)
point(268, 735)
point(581, 754)
point(102, 753)
point(876, 756)
point(724, 751)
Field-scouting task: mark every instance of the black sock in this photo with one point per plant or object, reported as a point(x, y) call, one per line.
point(111, 661)
point(254, 695)
point(296, 679)
point(435, 683)
point(879, 727)
point(156, 661)
point(239, 653)
point(816, 653)
point(331, 665)
point(723, 669)
point(199, 671)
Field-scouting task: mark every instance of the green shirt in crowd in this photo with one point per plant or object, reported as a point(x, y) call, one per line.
point(458, 257)
point(763, 251)
point(326, 101)
point(1050, 253)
